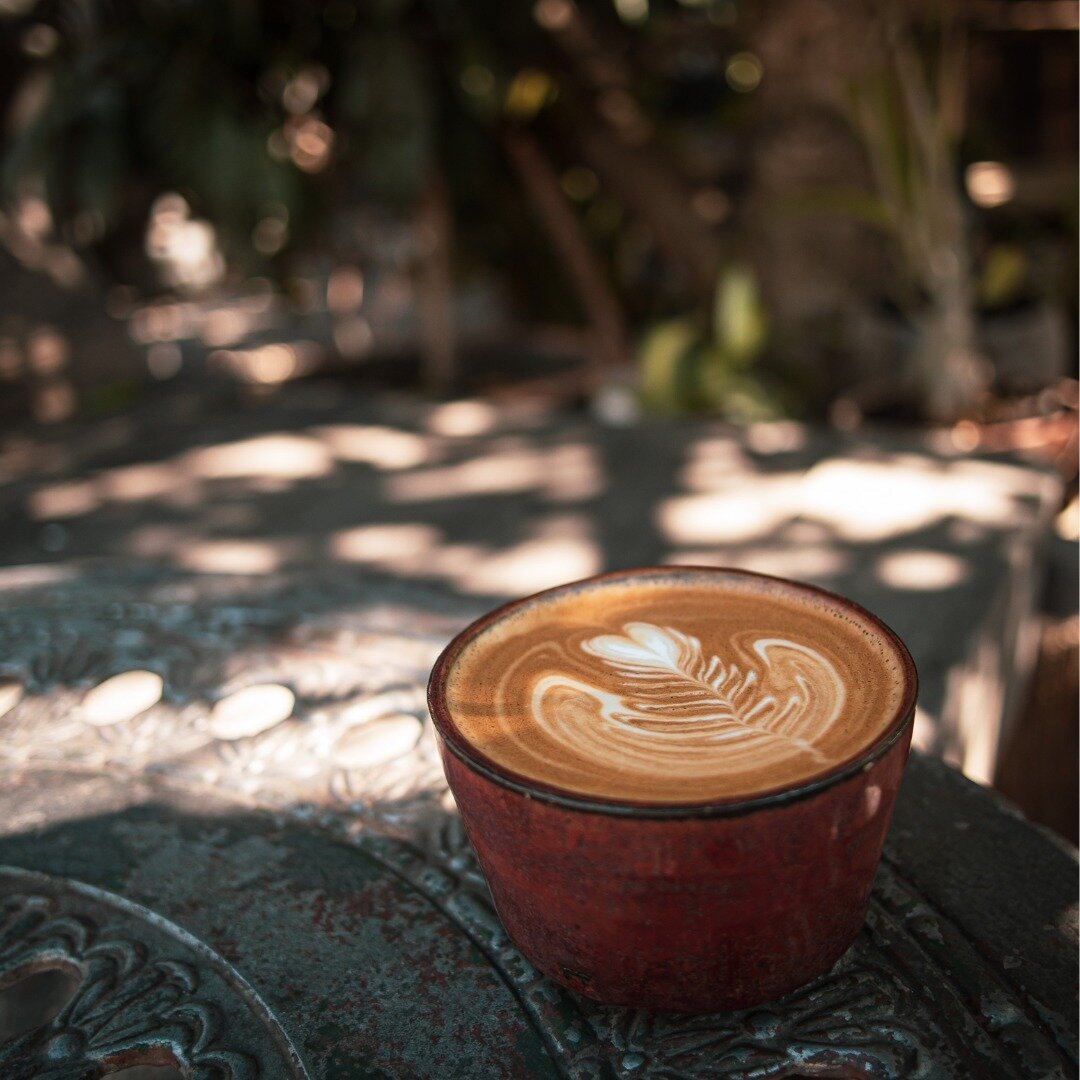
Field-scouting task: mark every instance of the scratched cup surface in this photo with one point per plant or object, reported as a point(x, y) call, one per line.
point(677, 780)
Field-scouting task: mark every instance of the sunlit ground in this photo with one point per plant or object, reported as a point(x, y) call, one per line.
point(472, 499)
point(491, 502)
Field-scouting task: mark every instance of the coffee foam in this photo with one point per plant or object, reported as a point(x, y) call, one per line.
point(678, 687)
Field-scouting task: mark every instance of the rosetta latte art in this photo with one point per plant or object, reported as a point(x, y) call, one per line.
point(691, 715)
point(675, 687)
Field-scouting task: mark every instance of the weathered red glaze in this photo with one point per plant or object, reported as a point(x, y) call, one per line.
point(694, 914)
point(687, 909)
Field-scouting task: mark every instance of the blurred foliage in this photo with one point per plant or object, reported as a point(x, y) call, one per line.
point(689, 367)
point(962, 247)
point(909, 115)
point(281, 124)
point(908, 110)
point(153, 98)
point(204, 98)
point(1005, 269)
point(270, 118)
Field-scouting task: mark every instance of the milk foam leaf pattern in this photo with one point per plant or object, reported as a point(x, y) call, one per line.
point(768, 701)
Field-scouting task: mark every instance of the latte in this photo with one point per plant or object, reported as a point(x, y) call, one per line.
point(677, 686)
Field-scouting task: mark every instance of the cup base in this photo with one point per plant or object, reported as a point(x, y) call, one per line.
point(701, 1000)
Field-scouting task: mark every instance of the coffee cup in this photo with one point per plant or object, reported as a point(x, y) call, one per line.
point(677, 780)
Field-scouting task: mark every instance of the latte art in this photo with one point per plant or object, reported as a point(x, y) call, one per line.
point(679, 702)
point(674, 688)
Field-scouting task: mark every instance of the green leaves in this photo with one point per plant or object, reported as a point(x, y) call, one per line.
point(738, 317)
point(686, 368)
point(666, 360)
point(1004, 274)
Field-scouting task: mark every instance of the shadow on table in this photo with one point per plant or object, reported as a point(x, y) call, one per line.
point(381, 955)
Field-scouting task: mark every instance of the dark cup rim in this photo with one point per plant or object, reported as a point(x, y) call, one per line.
point(733, 806)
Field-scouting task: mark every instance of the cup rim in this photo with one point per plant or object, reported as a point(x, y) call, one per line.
point(542, 791)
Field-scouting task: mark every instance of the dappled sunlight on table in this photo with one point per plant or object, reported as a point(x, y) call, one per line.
point(714, 463)
point(376, 445)
point(746, 511)
point(924, 732)
point(561, 549)
point(63, 500)
point(251, 711)
point(876, 499)
point(122, 697)
point(920, 570)
point(568, 472)
point(462, 418)
point(136, 483)
point(232, 556)
point(34, 576)
point(494, 501)
point(775, 437)
point(861, 501)
point(512, 467)
point(406, 548)
point(10, 695)
point(298, 457)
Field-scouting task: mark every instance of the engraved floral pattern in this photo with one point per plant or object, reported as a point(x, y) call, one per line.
point(129, 1005)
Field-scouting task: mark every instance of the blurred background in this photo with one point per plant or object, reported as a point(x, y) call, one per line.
point(796, 208)
point(246, 247)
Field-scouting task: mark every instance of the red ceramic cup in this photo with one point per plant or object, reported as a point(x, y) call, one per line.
point(698, 908)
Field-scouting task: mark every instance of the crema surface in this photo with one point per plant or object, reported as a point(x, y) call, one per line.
point(675, 688)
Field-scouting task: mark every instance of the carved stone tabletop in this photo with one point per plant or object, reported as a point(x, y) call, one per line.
point(293, 873)
point(94, 984)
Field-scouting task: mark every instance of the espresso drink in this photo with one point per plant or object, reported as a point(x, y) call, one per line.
point(675, 687)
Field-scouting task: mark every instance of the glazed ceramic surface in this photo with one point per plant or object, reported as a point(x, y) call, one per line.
point(690, 908)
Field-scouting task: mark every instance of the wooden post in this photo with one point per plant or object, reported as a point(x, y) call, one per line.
point(583, 269)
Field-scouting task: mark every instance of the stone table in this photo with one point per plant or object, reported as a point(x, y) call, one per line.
point(498, 501)
point(279, 887)
point(216, 621)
